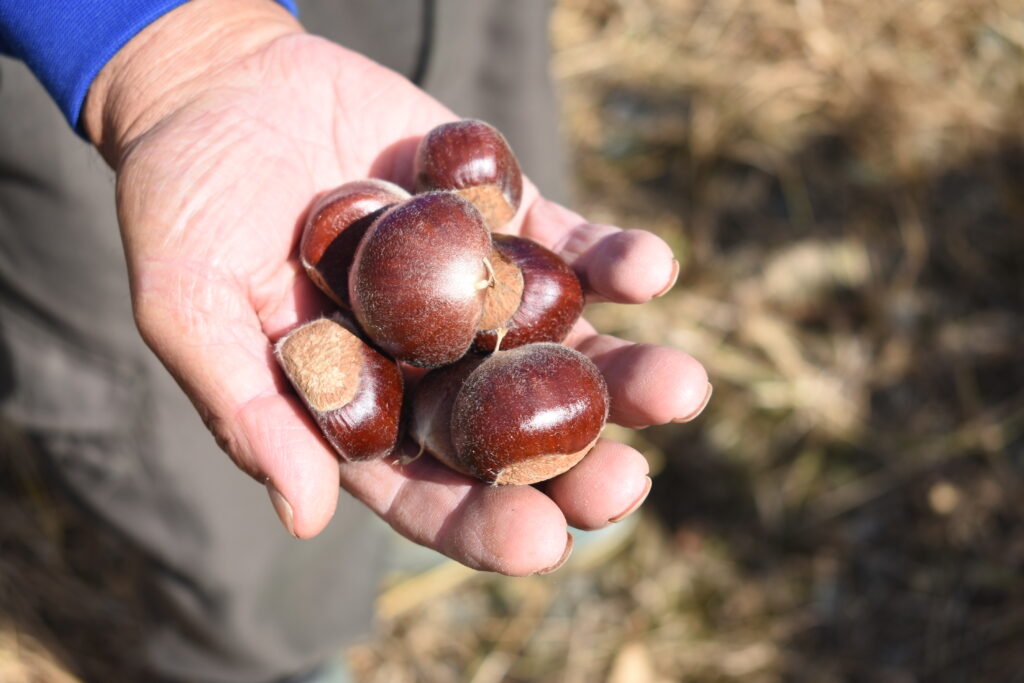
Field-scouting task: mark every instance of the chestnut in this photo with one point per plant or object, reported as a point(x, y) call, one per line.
point(472, 158)
point(335, 225)
point(419, 277)
point(431, 412)
point(352, 391)
point(516, 417)
point(535, 292)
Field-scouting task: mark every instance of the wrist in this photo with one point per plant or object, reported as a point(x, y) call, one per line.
point(171, 62)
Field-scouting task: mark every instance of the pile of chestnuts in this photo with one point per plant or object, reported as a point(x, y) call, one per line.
point(423, 280)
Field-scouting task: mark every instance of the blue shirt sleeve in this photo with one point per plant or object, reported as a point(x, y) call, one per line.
point(65, 44)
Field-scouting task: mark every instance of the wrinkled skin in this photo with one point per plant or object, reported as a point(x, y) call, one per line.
point(213, 178)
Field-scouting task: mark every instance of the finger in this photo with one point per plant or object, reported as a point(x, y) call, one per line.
point(648, 384)
point(604, 487)
point(221, 357)
point(623, 266)
point(513, 530)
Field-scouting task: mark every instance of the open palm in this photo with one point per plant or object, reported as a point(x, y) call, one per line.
point(211, 199)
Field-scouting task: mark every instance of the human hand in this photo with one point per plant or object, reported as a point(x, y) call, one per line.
point(223, 120)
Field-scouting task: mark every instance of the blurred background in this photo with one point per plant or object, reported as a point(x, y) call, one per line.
point(843, 181)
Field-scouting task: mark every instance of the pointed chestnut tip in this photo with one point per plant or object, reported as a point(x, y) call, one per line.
point(545, 292)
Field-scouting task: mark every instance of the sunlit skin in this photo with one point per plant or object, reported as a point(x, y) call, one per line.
point(223, 120)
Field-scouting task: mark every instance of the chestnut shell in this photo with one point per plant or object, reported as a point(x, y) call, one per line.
point(523, 409)
point(417, 283)
point(335, 226)
point(552, 298)
point(431, 411)
point(353, 392)
point(466, 156)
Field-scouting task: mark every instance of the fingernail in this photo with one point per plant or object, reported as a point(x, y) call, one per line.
point(282, 508)
point(565, 556)
point(637, 503)
point(671, 280)
point(694, 414)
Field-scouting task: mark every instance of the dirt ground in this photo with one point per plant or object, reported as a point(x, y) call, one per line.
point(843, 181)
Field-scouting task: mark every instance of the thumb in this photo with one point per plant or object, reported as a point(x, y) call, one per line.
point(212, 342)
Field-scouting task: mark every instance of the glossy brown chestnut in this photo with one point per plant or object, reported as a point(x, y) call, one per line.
point(549, 295)
point(353, 392)
point(472, 158)
point(432, 409)
point(419, 277)
point(335, 225)
point(528, 414)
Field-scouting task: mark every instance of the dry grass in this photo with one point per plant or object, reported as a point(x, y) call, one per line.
point(844, 182)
